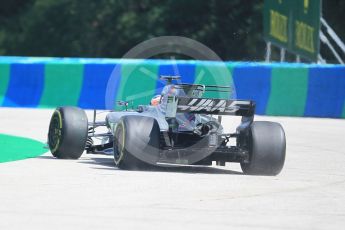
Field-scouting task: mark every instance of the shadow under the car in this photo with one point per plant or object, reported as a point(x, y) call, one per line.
point(45, 157)
point(108, 164)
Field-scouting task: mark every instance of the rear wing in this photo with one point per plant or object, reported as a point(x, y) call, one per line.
point(197, 90)
point(209, 106)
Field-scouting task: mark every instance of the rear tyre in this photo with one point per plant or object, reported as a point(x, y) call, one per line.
point(136, 142)
point(267, 147)
point(68, 130)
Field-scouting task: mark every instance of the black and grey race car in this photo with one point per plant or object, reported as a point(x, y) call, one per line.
point(183, 128)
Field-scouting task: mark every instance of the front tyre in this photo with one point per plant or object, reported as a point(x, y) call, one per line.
point(68, 130)
point(267, 147)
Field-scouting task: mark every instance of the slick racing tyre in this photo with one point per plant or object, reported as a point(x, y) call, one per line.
point(267, 146)
point(136, 142)
point(68, 132)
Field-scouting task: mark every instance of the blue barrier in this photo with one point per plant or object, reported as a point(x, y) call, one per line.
point(312, 90)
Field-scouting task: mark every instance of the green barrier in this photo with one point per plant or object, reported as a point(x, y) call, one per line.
point(4, 79)
point(63, 83)
point(285, 89)
point(138, 83)
point(210, 74)
point(19, 148)
point(288, 91)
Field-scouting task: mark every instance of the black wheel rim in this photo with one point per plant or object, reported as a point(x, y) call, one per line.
point(118, 140)
point(55, 132)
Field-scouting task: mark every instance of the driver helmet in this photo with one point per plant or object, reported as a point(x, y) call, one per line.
point(155, 100)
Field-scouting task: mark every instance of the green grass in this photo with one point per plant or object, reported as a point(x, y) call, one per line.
point(18, 148)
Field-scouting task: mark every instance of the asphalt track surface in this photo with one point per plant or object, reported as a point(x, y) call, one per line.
point(90, 193)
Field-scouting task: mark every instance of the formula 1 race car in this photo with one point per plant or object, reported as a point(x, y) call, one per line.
point(179, 127)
